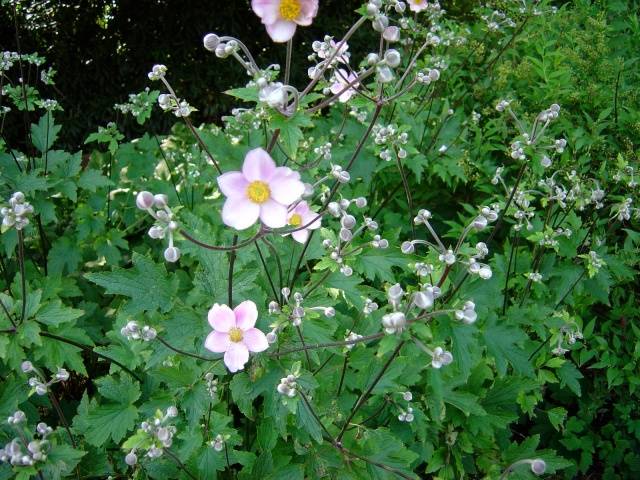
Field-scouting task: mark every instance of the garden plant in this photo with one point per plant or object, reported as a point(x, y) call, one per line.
point(419, 263)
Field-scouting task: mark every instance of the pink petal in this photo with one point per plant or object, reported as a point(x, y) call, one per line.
point(258, 165)
point(302, 208)
point(217, 342)
point(285, 186)
point(267, 10)
point(233, 184)
point(240, 213)
point(246, 315)
point(300, 236)
point(314, 218)
point(273, 214)
point(255, 340)
point(281, 31)
point(221, 318)
point(236, 356)
point(308, 11)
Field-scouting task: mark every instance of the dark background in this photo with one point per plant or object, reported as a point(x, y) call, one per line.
point(103, 49)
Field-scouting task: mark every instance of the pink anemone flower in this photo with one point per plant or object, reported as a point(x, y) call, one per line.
point(281, 17)
point(418, 5)
point(342, 79)
point(234, 334)
point(260, 190)
point(300, 216)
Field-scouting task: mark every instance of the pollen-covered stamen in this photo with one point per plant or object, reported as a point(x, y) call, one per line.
point(295, 220)
point(235, 335)
point(290, 9)
point(258, 192)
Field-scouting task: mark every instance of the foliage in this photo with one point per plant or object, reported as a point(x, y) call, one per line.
point(496, 330)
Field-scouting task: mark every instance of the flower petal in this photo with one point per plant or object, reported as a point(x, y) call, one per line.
point(246, 315)
point(233, 184)
point(267, 10)
point(281, 31)
point(273, 214)
point(240, 213)
point(285, 186)
point(300, 236)
point(258, 165)
point(255, 340)
point(308, 11)
point(221, 318)
point(217, 342)
point(236, 356)
point(314, 218)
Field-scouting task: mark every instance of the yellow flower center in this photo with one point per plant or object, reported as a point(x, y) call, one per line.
point(295, 220)
point(258, 192)
point(290, 9)
point(235, 335)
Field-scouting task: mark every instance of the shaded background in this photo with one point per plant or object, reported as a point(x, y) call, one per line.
point(103, 49)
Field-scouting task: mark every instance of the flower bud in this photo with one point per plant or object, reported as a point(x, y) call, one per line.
point(385, 74)
point(160, 200)
point(131, 459)
point(407, 247)
point(26, 366)
point(372, 59)
point(392, 58)
point(144, 200)
point(538, 466)
point(211, 41)
point(172, 254)
point(345, 234)
point(391, 34)
point(480, 222)
point(172, 411)
point(348, 221)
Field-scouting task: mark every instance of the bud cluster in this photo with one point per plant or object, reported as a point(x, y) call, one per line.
point(158, 435)
point(393, 138)
point(468, 313)
point(39, 384)
point(36, 449)
point(132, 331)
point(212, 385)
point(440, 358)
point(288, 386)
point(165, 224)
point(219, 441)
point(16, 214)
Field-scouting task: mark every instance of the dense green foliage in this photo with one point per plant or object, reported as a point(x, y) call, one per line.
point(549, 370)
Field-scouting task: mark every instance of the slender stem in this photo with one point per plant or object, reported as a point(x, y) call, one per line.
point(221, 248)
point(274, 140)
point(514, 248)
point(232, 261)
point(319, 282)
point(344, 371)
point(182, 352)
point(407, 191)
point(377, 464)
point(266, 270)
point(23, 283)
point(315, 346)
point(202, 144)
point(181, 465)
point(306, 350)
point(313, 413)
point(287, 68)
point(363, 398)
point(63, 419)
point(87, 348)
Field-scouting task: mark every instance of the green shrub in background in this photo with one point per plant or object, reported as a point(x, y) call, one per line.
point(466, 310)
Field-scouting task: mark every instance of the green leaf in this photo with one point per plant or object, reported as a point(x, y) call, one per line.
point(378, 263)
point(502, 343)
point(45, 133)
point(308, 423)
point(55, 312)
point(122, 390)
point(557, 417)
point(101, 423)
point(569, 376)
point(92, 180)
point(135, 282)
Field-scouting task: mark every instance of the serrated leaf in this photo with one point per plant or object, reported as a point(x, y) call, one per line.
point(132, 283)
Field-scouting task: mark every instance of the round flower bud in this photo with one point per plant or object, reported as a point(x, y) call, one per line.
point(172, 254)
point(485, 273)
point(407, 396)
point(345, 235)
point(160, 200)
point(26, 366)
point(131, 459)
point(538, 466)
point(361, 202)
point(391, 34)
point(348, 221)
point(480, 222)
point(211, 41)
point(144, 200)
point(172, 411)
point(372, 59)
point(385, 74)
point(407, 247)
point(156, 232)
point(272, 337)
point(392, 58)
